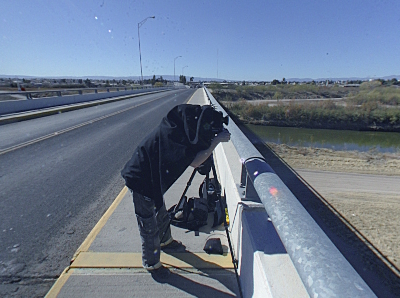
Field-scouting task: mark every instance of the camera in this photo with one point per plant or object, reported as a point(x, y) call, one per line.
point(198, 124)
point(217, 124)
point(211, 122)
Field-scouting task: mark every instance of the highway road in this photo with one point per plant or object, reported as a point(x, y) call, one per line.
point(58, 175)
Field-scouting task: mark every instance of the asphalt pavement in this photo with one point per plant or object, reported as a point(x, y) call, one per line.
point(108, 262)
point(58, 175)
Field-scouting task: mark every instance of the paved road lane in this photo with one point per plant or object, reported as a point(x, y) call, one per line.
point(53, 192)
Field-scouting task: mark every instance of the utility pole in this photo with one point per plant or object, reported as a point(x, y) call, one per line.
point(174, 67)
point(140, 52)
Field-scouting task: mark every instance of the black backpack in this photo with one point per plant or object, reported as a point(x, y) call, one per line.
point(190, 214)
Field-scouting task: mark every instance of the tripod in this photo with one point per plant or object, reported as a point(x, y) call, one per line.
point(204, 169)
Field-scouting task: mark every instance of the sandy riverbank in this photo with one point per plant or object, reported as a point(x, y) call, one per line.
point(367, 193)
point(339, 161)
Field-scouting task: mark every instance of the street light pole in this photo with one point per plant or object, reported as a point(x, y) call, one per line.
point(184, 68)
point(140, 52)
point(174, 67)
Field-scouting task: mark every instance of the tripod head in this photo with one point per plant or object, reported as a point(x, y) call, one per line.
point(205, 167)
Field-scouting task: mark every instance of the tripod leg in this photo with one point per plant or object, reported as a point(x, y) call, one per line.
point(179, 203)
point(186, 188)
point(218, 187)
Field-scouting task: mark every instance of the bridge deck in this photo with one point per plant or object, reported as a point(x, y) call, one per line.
point(108, 263)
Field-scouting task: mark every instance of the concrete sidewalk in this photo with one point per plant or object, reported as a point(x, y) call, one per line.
point(108, 263)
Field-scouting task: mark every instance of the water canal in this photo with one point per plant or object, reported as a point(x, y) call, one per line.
point(363, 141)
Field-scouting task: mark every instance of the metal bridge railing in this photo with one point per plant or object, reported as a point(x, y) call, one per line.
point(322, 268)
point(72, 91)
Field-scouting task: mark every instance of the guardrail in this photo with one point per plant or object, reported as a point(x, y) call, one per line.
point(8, 107)
point(322, 268)
point(72, 91)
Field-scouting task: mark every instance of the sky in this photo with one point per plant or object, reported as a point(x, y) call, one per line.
point(252, 40)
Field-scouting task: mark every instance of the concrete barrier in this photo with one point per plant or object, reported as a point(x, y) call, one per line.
point(281, 251)
point(265, 268)
point(17, 106)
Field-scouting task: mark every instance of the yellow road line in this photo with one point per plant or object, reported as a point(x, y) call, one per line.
point(194, 94)
point(134, 260)
point(56, 288)
point(92, 235)
point(191, 97)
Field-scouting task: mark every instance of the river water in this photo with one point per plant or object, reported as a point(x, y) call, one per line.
point(384, 142)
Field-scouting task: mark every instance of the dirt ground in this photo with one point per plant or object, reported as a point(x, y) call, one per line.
point(363, 187)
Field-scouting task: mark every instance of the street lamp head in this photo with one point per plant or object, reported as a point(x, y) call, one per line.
point(144, 21)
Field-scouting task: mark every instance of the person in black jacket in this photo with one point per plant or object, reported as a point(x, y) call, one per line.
point(185, 137)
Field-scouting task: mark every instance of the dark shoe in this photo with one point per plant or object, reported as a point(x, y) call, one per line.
point(160, 274)
point(175, 245)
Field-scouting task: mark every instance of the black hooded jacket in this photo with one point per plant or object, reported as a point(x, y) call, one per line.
point(165, 153)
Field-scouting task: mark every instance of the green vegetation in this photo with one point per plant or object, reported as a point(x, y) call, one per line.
point(281, 91)
point(372, 106)
point(376, 92)
point(323, 114)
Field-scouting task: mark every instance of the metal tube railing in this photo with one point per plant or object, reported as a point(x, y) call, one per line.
point(322, 268)
point(61, 92)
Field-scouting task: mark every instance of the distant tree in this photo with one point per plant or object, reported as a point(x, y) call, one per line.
point(80, 81)
point(191, 79)
point(244, 83)
point(275, 82)
point(383, 82)
point(284, 81)
point(88, 83)
point(182, 79)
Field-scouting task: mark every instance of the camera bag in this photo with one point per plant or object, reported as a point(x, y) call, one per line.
point(190, 214)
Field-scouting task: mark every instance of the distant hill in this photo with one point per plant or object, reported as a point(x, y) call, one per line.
point(196, 79)
point(165, 77)
point(343, 79)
